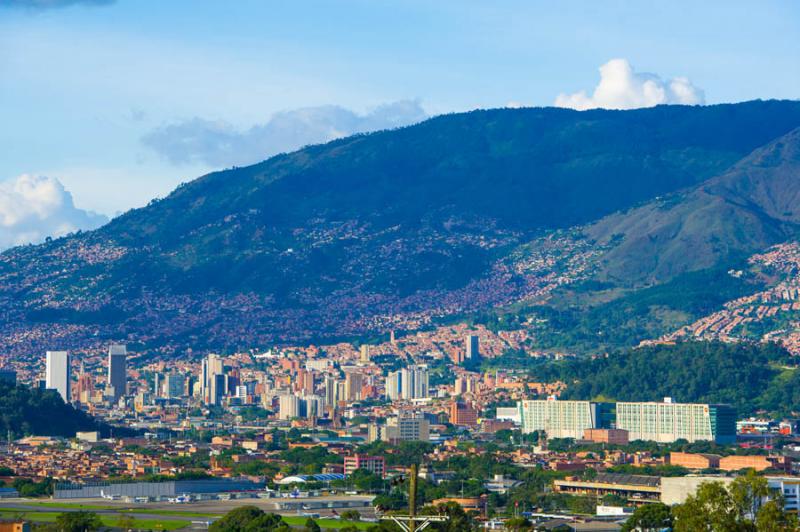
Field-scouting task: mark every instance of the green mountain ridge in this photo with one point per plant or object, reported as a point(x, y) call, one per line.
point(746, 209)
point(392, 229)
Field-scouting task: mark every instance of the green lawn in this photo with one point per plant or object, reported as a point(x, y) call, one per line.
point(327, 523)
point(70, 505)
point(108, 520)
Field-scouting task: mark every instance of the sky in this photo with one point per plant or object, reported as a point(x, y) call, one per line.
point(105, 105)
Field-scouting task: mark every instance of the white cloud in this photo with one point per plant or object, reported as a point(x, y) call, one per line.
point(621, 87)
point(35, 207)
point(218, 144)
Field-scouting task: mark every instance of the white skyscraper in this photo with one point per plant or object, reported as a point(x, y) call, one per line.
point(57, 375)
point(414, 382)
point(117, 382)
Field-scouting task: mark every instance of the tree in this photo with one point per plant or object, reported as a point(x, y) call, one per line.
point(772, 518)
point(351, 515)
point(744, 506)
point(650, 517)
point(80, 521)
point(711, 508)
point(126, 522)
point(248, 519)
point(518, 524)
point(312, 526)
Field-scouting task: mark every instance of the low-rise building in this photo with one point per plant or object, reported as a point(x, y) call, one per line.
point(373, 464)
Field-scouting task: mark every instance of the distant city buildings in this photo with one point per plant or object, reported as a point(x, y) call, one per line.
point(174, 385)
point(116, 385)
point(664, 422)
point(408, 383)
point(667, 422)
point(564, 419)
point(212, 379)
point(407, 427)
point(291, 406)
point(58, 373)
point(472, 351)
point(374, 464)
point(462, 414)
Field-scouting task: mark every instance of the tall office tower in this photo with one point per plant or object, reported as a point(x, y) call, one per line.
point(57, 375)
point(212, 366)
point(312, 406)
point(332, 391)
point(304, 381)
point(289, 407)
point(173, 385)
point(364, 353)
point(217, 389)
point(394, 386)
point(117, 382)
point(392, 337)
point(157, 385)
point(352, 385)
point(414, 382)
point(472, 347)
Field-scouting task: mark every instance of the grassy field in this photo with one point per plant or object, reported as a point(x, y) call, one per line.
point(327, 523)
point(108, 520)
point(153, 524)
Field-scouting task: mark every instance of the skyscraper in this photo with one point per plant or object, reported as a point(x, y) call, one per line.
point(393, 386)
point(117, 382)
point(414, 382)
point(174, 385)
point(352, 385)
point(57, 376)
point(212, 366)
point(472, 347)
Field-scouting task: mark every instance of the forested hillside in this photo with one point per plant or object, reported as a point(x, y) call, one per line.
point(751, 377)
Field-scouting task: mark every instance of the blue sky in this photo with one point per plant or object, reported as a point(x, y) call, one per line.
point(119, 101)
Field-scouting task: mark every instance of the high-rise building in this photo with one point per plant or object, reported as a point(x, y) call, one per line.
point(331, 391)
point(667, 422)
point(117, 382)
point(564, 419)
point(157, 385)
point(364, 357)
point(352, 385)
point(394, 386)
point(212, 366)
point(414, 382)
point(307, 406)
point(58, 373)
point(462, 414)
point(217, 389)
point(174, 385)
point(472, 347)
point(304, 381)
point(408, 383)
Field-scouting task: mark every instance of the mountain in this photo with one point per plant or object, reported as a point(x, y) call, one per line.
point(753, 205)
point(390, 230)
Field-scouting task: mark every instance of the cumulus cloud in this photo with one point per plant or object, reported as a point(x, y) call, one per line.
point(621, 87)
point(51, 4)
point(35, 207)
point(219, 144)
